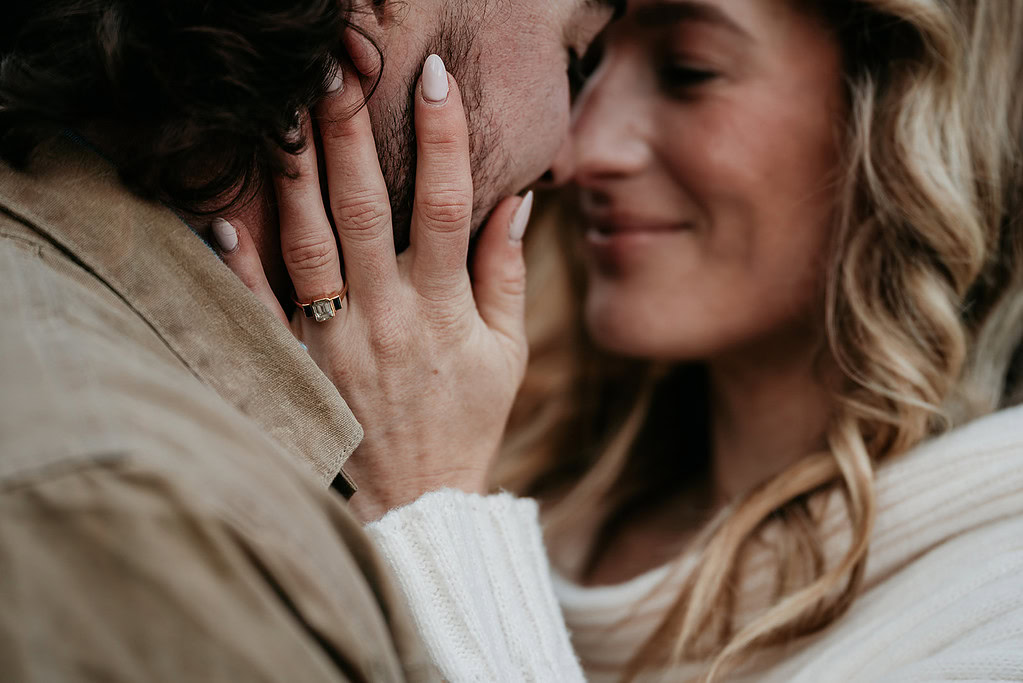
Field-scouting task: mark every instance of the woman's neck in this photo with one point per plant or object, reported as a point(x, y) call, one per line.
point(769, 408)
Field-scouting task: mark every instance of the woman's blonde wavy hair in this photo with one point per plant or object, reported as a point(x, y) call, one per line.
point(924, 315)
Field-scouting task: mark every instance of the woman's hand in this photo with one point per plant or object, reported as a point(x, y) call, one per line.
point(428, 360)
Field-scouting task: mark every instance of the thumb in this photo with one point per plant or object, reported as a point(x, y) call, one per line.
point(499, 271)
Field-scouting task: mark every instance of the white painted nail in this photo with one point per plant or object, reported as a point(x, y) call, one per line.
point(225, 234)
point(337, 82)
point(520, 221)
point(435, 80)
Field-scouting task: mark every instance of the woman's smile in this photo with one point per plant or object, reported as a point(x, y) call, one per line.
point(613, 237)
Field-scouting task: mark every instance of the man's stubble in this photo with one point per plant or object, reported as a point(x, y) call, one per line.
point(456, 43)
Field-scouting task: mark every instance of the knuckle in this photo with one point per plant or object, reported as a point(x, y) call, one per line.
point(444, 295)
point(250, 279)
point(513, 281)
point(388, 334)
point(442, 142)
point(390, 346)
point(340, 127)
point(336, 130)
point(310, 257)
point(447, 209)
point(387, 348)
point(446, 320)
point(367, 212)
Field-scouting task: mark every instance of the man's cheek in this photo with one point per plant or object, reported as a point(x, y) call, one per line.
point(541, 135)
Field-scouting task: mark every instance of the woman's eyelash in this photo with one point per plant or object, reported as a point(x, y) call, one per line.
point(682, 76)
point(576, 76)
point(581, 67)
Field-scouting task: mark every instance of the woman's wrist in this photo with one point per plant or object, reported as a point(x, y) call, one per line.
point(380, 494)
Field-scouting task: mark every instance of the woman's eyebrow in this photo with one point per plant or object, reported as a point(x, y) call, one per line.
point(664, 12)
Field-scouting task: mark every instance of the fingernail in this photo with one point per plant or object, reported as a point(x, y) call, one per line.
point(337, 82)
point(520, 221)
point(435, 80)
point(225, 234)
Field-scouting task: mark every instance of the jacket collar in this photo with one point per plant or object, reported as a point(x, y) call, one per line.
point(173, 280)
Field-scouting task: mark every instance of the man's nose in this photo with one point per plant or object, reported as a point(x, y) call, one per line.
point(606, 140)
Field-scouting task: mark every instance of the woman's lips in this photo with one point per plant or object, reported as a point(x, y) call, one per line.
point(617, 240)
point(606, 228)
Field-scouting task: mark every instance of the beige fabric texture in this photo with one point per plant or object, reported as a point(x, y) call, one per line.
point(166, 451)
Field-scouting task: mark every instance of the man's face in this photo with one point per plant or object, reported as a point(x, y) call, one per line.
point(511, 60)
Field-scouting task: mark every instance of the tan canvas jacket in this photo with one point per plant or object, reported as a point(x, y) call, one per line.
point(166, 449)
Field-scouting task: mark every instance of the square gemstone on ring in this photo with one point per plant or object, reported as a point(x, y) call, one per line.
point(323, 310)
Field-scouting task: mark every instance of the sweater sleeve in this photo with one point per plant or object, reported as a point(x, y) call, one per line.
point(477, 579)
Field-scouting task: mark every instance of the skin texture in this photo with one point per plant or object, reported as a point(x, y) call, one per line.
point(705, 146)
point(428, 361)
point(722, 185)
point(511, 58)
point(736, 170)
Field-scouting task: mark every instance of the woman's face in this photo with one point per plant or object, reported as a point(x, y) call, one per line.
point(706, 147)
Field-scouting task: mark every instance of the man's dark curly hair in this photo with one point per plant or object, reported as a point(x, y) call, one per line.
point(207, 91)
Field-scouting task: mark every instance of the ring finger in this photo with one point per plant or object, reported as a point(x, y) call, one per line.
point(308, 244)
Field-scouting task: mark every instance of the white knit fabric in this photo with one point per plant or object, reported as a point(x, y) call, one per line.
point(476, 575)
point(942, 600)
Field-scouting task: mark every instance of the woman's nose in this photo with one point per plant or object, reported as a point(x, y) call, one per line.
point(606, 140)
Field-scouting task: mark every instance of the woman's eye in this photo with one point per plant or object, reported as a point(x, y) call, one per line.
point(680, 76)
point(581, 67)
point(576, 76)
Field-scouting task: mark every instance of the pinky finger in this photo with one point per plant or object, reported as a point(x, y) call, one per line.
point(236, 247)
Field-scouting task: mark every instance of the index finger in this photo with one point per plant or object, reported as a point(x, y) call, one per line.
point(359, 201)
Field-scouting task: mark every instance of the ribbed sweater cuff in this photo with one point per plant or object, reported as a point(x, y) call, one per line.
point(477, 579)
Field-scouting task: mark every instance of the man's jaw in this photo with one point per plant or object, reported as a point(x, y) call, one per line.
point(394, 132)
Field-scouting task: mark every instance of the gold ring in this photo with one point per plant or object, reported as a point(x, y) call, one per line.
point(323, 309)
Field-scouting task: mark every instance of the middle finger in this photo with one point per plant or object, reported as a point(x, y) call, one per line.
point(358, 194)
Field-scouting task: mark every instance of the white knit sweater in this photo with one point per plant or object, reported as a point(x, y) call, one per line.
point(942, 600)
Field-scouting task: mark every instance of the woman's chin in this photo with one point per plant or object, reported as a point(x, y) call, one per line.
point(633, 334)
